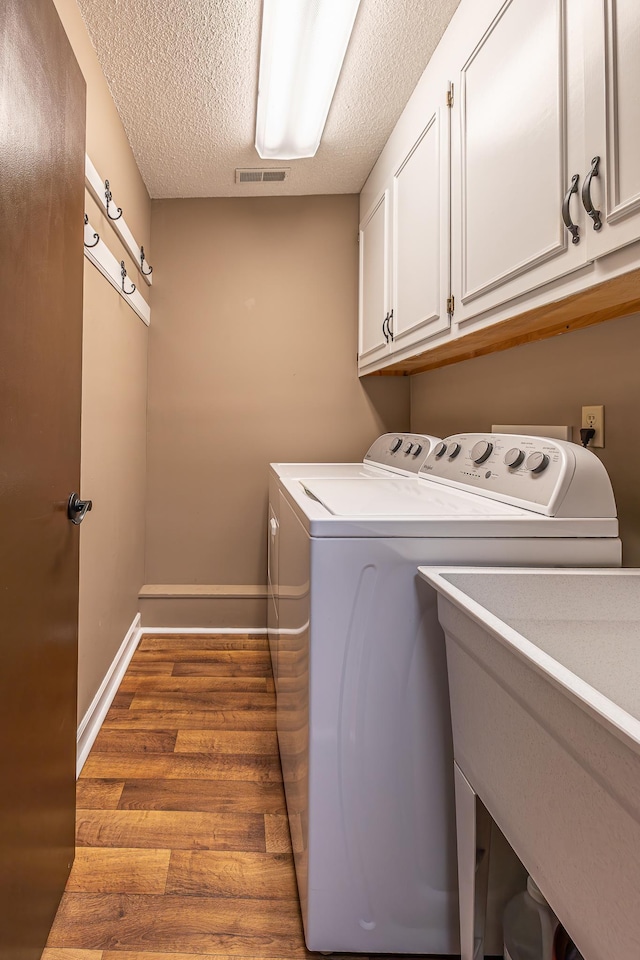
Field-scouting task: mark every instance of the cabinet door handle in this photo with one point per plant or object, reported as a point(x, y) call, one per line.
point(573, 228)
point(586, 194)
point(384, 328)
point(390, 325)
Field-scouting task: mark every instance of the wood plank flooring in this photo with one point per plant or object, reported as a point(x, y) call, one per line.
point(181, 825)
point(182, 834)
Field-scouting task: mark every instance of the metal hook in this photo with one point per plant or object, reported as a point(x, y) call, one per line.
point(123, 273)
point(109, 197)
point(95, 236)
point(145, 273)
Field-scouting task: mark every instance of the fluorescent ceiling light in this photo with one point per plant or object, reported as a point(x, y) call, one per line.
point(303, 46)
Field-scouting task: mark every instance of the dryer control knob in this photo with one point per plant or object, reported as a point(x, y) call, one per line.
point(514, 457)
point(537, 462)
point(454, 450)
point(408, 448)
point(481, 451)
point(417, 449)
point(440, 449)
point(396, 444)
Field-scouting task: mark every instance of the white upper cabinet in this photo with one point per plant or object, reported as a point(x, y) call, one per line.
point(405, 239)
point(517, 196)
point(612, 69)
point(420, 206)
point(517, 143)
point(374, 307)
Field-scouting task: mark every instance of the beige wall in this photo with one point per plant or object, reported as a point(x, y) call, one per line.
point(252, 359)
point(547, 383)
point(113, 395)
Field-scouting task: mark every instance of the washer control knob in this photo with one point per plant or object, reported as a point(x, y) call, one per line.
point(408, 449)
point(396, 444)
point(481, 451)
point(454, 450)
point(514, 457)
point(537, 462)
point(417, 450)
point(440, 449)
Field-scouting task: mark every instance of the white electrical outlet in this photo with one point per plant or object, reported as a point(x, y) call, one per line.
point(594, 417)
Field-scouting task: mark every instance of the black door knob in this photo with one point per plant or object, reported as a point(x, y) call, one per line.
point(77, 509)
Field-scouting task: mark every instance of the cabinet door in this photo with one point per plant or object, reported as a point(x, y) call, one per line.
point(374, 281)
point(421, 239)
point(518, 139)
point(612, 38)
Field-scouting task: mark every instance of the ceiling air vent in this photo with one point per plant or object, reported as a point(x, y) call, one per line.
point(262, 175)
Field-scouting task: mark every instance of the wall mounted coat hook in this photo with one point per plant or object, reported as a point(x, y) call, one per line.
point(123, 273)
point(96, 236)
point(143, 260)
point(108, 196)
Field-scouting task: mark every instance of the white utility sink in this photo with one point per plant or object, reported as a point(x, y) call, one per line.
point(544, 676)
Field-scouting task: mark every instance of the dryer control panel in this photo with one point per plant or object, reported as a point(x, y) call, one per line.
point(534, 472)
point(404, 452)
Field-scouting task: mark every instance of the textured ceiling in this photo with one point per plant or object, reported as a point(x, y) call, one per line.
point(184, 75)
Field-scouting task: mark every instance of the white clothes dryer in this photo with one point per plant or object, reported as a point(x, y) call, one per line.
point(362, 710)
point(391, 454)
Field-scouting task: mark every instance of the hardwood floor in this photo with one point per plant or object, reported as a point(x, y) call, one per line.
point(183, 846)
point(182, 834)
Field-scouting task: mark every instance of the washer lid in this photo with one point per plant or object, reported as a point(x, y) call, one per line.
point(402, 498)
point(420, 509)
point(363, 471)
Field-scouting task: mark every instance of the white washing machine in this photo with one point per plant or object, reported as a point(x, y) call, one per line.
point(391, 454)
point(362, 710)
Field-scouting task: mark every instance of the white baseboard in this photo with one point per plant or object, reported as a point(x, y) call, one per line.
point(203, 631)
point(94, 717)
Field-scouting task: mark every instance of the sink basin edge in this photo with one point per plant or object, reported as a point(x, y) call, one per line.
point(604, 710)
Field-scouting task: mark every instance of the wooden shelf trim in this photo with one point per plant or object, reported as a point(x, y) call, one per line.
point(617, 297)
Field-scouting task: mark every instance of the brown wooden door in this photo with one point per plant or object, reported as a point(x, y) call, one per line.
point(42, 123)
